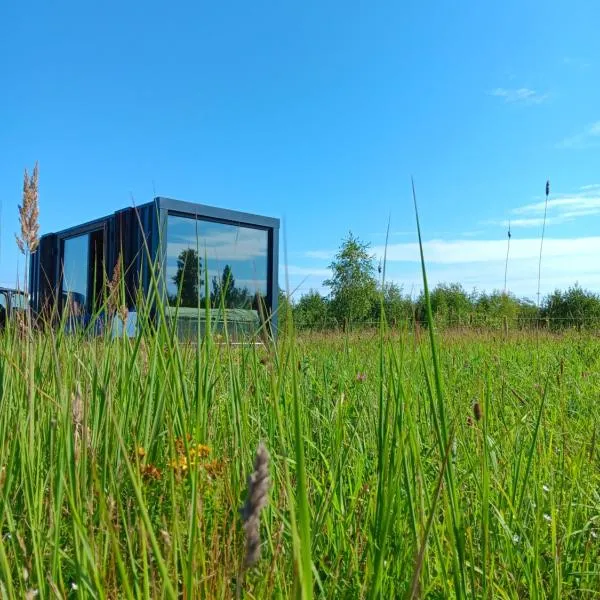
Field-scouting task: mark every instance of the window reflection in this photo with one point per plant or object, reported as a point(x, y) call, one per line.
point(231, 260)
point(75, 272)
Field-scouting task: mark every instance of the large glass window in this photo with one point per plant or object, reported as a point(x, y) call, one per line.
point(83, 271)
point(75, 271)
point(232, 259)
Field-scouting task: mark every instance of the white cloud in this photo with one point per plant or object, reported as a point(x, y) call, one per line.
point(521, 95)
point(305, 271)
point(482, 251)
point(533, 222)
point(588, 138)
point(229, 244)
point(561, 208)
point(320, 254)
point(480, 264)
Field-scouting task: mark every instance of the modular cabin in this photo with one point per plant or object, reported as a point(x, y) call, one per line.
point(12, 302)
point(196, 260)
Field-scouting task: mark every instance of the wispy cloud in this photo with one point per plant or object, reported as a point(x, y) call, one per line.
point(588, 138)
point(521, 95)
point(305, 271)
point(480, 263)
point(478, 251)
point(320, 254)
point(561, 209)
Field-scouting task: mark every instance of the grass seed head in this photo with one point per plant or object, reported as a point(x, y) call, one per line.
point(29, 213)
point(258, 488)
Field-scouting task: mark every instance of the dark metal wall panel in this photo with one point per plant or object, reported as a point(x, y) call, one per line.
point(47, 284)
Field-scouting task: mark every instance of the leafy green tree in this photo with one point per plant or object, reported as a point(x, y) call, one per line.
point(312, 311)
point(187, 277)
point(574, 307)
point(398, 309)
point(353, 285)
point(224, 290)
point(450, 304)
point(496, 308)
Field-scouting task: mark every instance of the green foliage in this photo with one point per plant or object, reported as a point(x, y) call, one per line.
point(225, 293)
point(450, 304)
point(187, 277)
point(574, 307)
point(353, 285)
point(97, 498)
point(285, 311)
point(312, 311)
point(493, 309)
point(398, 308)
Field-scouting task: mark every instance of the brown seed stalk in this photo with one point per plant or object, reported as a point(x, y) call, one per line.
point(258, 488)
point(29, 213)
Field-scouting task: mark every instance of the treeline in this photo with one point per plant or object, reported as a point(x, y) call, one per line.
point(357, 299)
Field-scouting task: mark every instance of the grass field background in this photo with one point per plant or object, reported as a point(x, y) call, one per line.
point(124, 465)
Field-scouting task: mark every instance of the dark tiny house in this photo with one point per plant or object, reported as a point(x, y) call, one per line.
point(202, 256)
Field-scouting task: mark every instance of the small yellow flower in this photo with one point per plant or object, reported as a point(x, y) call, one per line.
point(141, 451)
point(202, 450)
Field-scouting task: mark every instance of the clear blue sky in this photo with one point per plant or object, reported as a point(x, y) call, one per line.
point(318, 113)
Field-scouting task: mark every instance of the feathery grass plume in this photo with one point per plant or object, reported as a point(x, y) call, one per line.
point(258, 488)
point(29, 213)
point(114, 304)
point(113, 288)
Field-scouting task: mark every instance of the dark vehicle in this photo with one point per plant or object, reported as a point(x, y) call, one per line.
point(12, 301)
point(198, 256)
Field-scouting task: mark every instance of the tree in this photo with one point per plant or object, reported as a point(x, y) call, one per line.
point(224, 290)
point(353, 285)
point(493, 309)
point(187, 277)
point(450, 304)
point(397, 308)
point(573, 308)
point(311, 311)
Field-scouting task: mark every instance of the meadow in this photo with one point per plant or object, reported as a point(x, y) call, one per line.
point(397, 468)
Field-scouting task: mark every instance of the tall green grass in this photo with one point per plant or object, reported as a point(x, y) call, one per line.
point(123, 463)
point(361, 503)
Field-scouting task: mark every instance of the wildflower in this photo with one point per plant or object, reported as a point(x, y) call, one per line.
point(547, 518)
point(516, 539)
point(214, 467)
point(258, 487)
point(594, 534)
point(74, 586)
point(361, 377)
point(141, 451)
point(545, 488)
point(202, 451)
point(151, 472)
